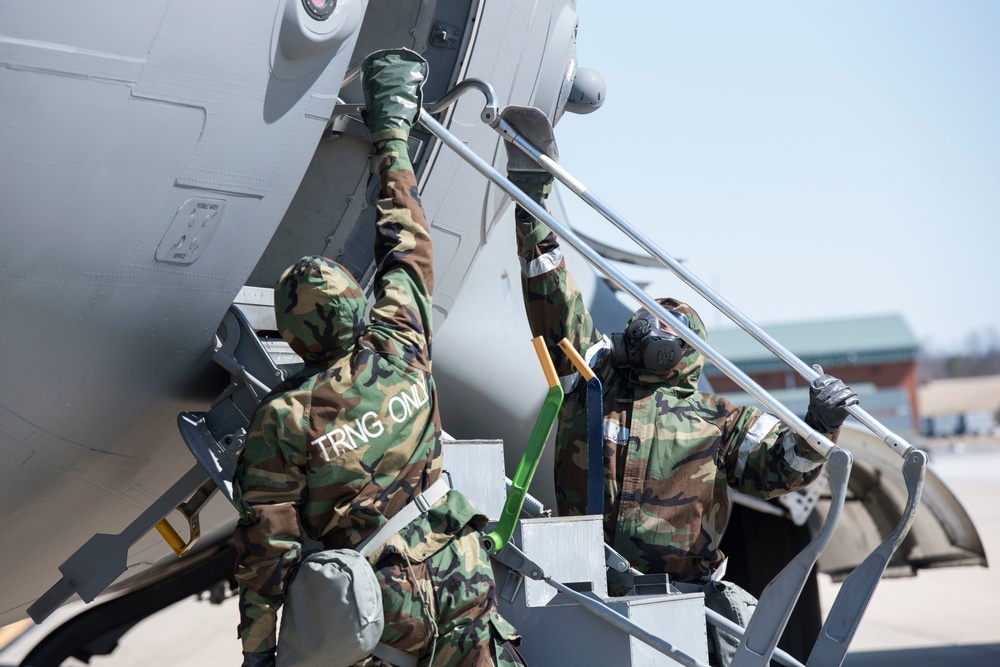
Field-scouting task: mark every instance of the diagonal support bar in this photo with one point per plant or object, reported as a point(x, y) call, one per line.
point(509, 133)
point(857, 590)
point(778, 599)
point(518, 561)
point(818, 441)
point(103, 558)
point(720, 621)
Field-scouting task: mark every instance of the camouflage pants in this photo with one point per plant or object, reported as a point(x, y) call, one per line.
point(458, 584)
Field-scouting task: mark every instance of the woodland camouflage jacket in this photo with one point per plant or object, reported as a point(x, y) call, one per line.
point(353, 437)
point(670, 451)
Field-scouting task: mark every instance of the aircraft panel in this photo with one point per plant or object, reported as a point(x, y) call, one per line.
point(111, 139)
point(84, 138)
point(333, 210)
point(108, 135)
point(119, 30)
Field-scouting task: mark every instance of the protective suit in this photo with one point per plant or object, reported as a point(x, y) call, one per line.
point(343, 445)
point(670, 451)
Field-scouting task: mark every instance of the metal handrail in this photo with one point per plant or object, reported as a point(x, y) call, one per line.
point(491, 117)
point(898, 444)
point(759, 641)
point(817, 440)
point(775, 608)
point(857, 591)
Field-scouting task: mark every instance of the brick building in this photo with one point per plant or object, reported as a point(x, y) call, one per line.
point(876, 356)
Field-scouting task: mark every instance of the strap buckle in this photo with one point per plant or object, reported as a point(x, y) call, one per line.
point(422, 505)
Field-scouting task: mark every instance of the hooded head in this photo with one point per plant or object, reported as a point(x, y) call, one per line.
point(686, 372)
point(319, 308)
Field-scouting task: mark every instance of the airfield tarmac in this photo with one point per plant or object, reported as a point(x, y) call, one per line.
point(947, 617)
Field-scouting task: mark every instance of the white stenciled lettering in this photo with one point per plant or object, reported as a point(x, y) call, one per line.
point(370, 426)
point(396, 400)
point(408, 402)
point(358, 432)
point(413, 397)
point(319, 442)
point(374, 429)
point(339, 439)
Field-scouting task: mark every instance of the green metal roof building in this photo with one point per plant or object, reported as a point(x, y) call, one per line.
point(829, 343)
point(881, 350)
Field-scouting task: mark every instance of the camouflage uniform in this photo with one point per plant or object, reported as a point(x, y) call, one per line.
point(670, 451)
point(343, 445)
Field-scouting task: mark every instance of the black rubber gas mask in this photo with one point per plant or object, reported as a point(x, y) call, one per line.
point(645, 347)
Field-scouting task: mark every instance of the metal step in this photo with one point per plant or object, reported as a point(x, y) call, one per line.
point(556, 628)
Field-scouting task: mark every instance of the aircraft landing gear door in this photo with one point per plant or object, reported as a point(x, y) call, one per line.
point(99, 562)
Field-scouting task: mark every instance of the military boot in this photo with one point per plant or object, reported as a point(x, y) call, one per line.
point(392, 81)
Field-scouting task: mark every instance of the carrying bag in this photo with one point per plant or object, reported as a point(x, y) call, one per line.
point(332, 615)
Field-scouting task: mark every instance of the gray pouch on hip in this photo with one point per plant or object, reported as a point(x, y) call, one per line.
point(332, 615)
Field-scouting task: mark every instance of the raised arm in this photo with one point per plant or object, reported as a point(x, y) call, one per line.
point(401, 316)
point(552, 299)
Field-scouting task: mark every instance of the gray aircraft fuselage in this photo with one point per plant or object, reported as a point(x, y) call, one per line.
point(156, 158)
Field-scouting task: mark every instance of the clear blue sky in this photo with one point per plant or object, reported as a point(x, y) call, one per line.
point(806, 160)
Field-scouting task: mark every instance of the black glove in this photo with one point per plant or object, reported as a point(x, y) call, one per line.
point(265, 659)
point(828, 401)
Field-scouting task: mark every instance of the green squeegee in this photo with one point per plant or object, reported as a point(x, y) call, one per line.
point(497, 539)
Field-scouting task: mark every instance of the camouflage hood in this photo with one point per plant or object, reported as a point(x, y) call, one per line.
point(686, 373)
point(319, 308)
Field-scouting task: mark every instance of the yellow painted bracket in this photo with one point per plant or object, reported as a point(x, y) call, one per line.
point(498, 539)
point(175, 541)
point(190, 511)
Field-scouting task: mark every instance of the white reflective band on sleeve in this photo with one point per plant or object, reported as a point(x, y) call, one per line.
point(542, 264)
point(760, 428)
point(615, 432)
point(591, 356)
point(792, 458)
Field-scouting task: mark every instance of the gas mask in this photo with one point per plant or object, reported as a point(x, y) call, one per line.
point(645, 347)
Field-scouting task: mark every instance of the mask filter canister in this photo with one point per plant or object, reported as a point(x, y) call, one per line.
point(644, 347)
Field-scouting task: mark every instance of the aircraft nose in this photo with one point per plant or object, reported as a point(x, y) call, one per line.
point(588, 91)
